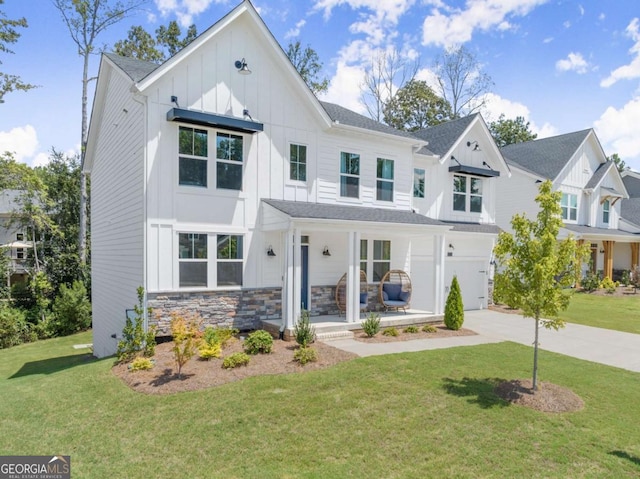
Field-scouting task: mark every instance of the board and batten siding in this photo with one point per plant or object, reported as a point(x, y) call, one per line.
point(515, 195)
point(117, 206)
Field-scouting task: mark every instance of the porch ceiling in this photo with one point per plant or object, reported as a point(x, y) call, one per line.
point(589, 232)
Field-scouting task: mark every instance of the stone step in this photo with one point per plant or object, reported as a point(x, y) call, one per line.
point(330, 335)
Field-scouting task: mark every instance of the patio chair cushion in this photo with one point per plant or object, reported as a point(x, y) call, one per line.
point(364, 298)
point(404, 296)
point(395, 304)
point(385, 296)
point(393, 291)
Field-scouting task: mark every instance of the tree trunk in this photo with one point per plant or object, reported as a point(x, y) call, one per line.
point(535, 357)
point(82, 230)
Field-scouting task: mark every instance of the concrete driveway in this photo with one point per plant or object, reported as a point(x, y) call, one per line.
point(603, 346)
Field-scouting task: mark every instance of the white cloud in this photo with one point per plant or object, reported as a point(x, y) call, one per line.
point(21, 141)
point(547, 40)
point(496, 105)
point(619, 130)
point(457, 26)
point(184, 10)
point(581, 9)
point(602, 16)
point(344, 87)
point(574, 62)
point(567, 24)
point(294, 32)
point(632, 70)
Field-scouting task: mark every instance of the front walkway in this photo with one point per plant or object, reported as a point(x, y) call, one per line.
point(603, 346)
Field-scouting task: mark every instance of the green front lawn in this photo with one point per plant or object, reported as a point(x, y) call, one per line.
point(416, 415)
point(611, 312)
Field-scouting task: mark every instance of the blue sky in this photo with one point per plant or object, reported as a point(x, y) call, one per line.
point(563, 65)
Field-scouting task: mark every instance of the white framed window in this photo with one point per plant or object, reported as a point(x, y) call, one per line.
point(467, 193)
point(569, 206)
point(229, 158)
point(381, 259)
point(297, 162)
point(418, 183)
point(229, 260)
point(192, 156)
point(349, 175)
point(363, 256)
point(606, 207)
point(384, 182)
point(192, 260)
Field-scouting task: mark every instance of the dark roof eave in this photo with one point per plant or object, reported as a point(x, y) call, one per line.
point(214, 120)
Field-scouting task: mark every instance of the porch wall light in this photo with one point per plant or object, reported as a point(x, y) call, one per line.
point(242, 67)
point(476, 146)
point(270, 251)
point(326, 252)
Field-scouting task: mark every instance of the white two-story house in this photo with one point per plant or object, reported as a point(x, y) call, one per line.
point(592, 190)
point(222, 185)
point(13, 240)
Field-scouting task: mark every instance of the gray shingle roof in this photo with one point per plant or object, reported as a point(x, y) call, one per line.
point(297, 209)
point(590, 230)
point(632, 185)
point(442, 137)
point(545, 157)
point(345, 116)
point(630, 210)
point(599, 174)
point(136, 69)
point(474, 228)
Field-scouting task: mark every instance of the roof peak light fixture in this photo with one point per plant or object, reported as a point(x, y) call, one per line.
point(242, 67)
point(476, 145)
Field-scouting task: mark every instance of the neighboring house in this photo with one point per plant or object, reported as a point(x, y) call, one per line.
point(591, 189)
point(13, 239)
point(222, 185)
point(630, 208)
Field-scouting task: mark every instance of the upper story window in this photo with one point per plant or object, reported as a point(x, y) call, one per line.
point(228, 161)
point(569, 205)
point(381, 259)
point(192, 149)
point(192, 259)
point(418, 183)
point(229, 267)
point(606, 206)
point(384, 183)
point(298, 162)
point(350, 175)
point(467, 194)
point(20, 237)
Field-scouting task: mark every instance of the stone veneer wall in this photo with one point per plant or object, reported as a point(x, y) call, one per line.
point(490, 293)
point(241, 309)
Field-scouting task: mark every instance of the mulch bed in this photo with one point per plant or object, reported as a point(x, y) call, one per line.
point(198, 374)
point(442, 332)
point(548, 398)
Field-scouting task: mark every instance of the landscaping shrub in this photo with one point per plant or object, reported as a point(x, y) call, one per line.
point(390, 332)
point(626, 277)
point(134, 339)
point(609, 285)
point(305, 355)
point(218, 335)
point(429, 328)
point(71, 309)
point(14, 327)
point(411, 329)
point(454, 310)
point(371, 325)
point(235, 360)
point(140, 364)
point(303, 331)
point(185, 329)
point(590, 282)
point(258, 342)
point(208, 351)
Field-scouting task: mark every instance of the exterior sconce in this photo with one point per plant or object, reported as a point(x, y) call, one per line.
point(326, 252)
point(602, 251)
point(242, 67)
point(476, 146)
point(451, 248)
point(270, 251)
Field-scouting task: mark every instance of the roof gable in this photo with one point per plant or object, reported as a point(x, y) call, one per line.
point(442, 137)
point(546, 157)
point(134, 68)
point(632, 184)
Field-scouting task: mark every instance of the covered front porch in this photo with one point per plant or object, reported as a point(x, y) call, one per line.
point(333, 326)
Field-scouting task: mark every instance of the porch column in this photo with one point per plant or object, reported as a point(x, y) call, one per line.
point(287, 287)
point(353, 277)
point(579, 242)
point(635, 249)
point(297, 274)
point(608, 258)
point(438, 273)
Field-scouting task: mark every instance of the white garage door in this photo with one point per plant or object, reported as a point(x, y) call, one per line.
point(472, 276)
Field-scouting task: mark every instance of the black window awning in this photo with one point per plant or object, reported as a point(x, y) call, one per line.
point(473, 170)
point(213, 120)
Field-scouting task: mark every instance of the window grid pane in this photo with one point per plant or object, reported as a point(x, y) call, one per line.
point(298, 162)
point(418, 183)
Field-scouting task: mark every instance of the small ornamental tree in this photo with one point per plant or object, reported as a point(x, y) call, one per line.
point(534, 266)
point(454, 309)
point(185, 331)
